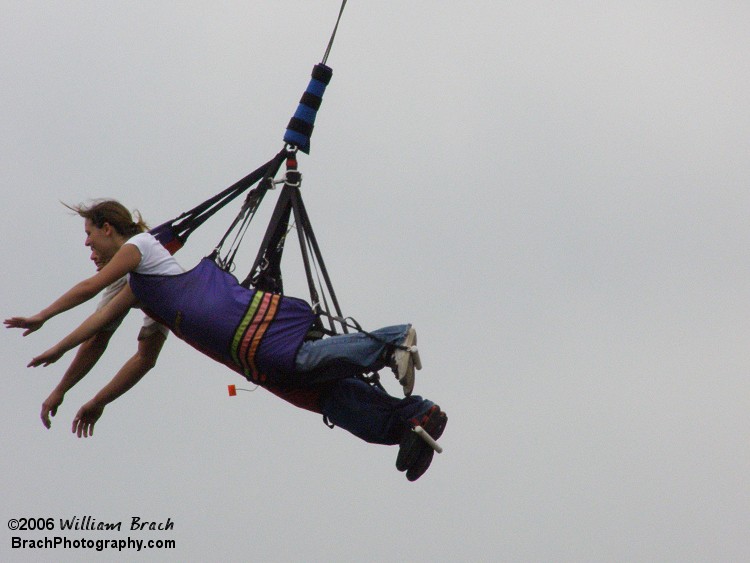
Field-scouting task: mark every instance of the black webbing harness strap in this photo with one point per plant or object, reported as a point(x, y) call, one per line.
point(182, 226)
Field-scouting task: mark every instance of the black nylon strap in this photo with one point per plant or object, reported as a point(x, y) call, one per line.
point(311, 100)
point(301, 127)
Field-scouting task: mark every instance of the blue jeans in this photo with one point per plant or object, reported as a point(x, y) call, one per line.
point(368, 412)
point(346, 355)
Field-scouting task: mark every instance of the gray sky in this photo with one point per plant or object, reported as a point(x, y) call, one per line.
point(555, 194)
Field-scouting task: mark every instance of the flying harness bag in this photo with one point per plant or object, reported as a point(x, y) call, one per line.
point(255, 333)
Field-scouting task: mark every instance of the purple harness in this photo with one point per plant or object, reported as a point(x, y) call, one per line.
point(255, 333)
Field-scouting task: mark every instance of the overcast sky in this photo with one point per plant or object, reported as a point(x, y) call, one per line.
point(554, 193)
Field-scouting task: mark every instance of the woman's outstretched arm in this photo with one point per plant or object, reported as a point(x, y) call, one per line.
point(88, 328)
point(124, 261)
point(130, 374)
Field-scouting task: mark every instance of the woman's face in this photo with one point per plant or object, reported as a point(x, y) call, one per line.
point(101, 240)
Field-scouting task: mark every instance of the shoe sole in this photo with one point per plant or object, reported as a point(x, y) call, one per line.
point(424, 458)
point(420, 466)
point(412, 447)
point(413, 361)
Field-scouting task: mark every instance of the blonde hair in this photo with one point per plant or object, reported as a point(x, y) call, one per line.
point(112, 212)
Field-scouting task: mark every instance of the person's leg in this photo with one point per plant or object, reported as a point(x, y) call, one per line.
point(369, 412)
point(347, 355)
point(374, 416)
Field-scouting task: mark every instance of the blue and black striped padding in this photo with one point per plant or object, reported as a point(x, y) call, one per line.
point(300, 127)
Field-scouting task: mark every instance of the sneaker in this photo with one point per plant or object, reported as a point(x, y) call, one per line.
point(405, 361)
point(414, 454)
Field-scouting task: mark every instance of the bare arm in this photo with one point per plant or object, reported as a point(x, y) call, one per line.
point(125, 260)
point(124, 380)
point(86, 357)
point(96, 322)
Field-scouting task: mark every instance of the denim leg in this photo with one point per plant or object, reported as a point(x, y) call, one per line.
point(346, 355)
point(369, 412)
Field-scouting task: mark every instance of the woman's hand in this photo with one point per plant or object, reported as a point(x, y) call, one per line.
point(50, 405)
point(47, 358)
point(31, 324)
point(88, 415)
